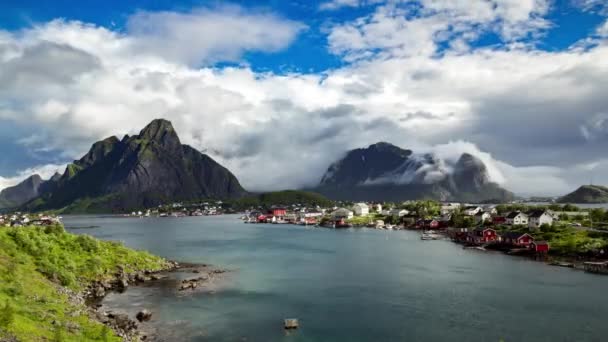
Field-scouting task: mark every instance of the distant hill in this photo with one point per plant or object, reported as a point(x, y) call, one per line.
point(144, 170)
point(587, 194)
point(384, 171)
point(286, 198)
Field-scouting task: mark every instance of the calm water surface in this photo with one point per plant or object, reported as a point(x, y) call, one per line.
point(357, 285)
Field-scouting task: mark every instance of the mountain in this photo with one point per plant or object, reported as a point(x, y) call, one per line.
point(17, 195)
point(384, 171)
point(143, 170)
point(587, 194)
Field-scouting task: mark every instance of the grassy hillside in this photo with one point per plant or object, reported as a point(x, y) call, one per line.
point(587, 194)
point(38, 266)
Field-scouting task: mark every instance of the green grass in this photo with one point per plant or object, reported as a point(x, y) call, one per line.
point(36, 262)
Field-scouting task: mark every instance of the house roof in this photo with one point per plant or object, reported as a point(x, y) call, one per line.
point(540, 243)
point(514, 214)
point(470, 207)
point(536, 213)
point(513, 235)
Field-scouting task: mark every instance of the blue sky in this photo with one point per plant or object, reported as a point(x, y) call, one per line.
point(307, 54)
point(489, 77)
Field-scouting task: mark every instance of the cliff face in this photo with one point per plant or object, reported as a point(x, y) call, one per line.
point(147, 169)
point(17, 195)
point(587, 194)
point(386, 172)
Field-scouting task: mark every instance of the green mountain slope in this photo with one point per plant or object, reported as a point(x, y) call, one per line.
point(587, 194)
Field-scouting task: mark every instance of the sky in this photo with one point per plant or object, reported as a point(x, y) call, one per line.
point(278, 90)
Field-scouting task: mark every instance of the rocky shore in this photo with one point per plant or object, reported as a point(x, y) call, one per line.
point(125, 326)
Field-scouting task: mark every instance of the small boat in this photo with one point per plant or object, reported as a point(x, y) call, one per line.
point(429, 235)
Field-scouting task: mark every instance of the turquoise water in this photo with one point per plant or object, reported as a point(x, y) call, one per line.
point(358, 285)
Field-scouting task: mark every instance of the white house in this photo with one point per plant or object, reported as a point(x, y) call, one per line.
point(517, 217)
point(482, 217)
point(448, 208)
point(491, 209)
point(341, 214)
point(471, 210)
point(378, 207)
point(537, 218)
point(398, 212)
point(361, 209)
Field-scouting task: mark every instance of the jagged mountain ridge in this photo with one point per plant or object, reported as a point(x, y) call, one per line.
point(384, 171)
point(143, 170)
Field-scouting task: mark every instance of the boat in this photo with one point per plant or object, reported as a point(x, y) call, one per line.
point(429, 235)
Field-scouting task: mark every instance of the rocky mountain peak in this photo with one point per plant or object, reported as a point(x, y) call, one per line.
point(162, 132)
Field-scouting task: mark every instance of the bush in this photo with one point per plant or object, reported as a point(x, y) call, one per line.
point(7, 316)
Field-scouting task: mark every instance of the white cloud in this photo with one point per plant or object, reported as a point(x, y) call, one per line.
point(210, 35)
point(602, 30)
point(399, 29)
point(525, 107)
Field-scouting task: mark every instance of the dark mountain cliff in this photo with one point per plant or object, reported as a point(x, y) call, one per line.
point(143, 170)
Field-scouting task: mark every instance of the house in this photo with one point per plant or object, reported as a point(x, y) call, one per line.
point(490, 209)
point(516, 239)
point(341, 214)
point(408, 219)
point(471, 210)
point(482, 217)
point(536, 218)
point(458, 234)
point(517, 218)
point(277, 211)
point(482, 235)
point(540, 246)
point(361, 209)
point(496, 220)
point(448, 208)
point(378, 207)
point(398, 212)
point(427, 224)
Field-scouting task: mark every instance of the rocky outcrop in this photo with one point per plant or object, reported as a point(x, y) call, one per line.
point(143, 170)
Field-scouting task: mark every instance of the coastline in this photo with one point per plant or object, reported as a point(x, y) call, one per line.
point(180, 279)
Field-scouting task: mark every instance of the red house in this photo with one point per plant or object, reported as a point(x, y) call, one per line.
point(540, 246)
point(482, 235)
point(517, 239)
point(499, 220)
point(427, 224)
point(277, 212)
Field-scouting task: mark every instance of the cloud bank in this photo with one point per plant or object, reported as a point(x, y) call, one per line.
point(536, 118)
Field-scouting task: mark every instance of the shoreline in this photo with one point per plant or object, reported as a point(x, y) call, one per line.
point(182, 278)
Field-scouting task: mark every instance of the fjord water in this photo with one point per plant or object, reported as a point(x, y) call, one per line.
point(356, 285)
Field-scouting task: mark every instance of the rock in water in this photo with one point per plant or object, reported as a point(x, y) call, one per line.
point(291, 323)
point(143, 315)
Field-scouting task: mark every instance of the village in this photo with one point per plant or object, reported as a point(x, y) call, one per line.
point(485, 227)
point(19, 219)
